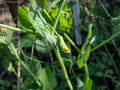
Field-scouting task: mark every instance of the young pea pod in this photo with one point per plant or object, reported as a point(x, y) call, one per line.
point(86, 49)
point(62, 45)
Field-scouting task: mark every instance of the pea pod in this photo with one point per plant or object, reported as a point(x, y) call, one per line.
point(62, 45)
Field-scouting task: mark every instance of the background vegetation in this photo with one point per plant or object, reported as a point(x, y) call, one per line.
point(49, 55)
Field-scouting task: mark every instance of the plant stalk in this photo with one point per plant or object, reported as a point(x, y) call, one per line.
point(78, 50)
point(12, 28)
point(23, 64)
point(58, 16)
point(19, 30)
point(86, 70)
point(57, 50)
point(63, 68)
point(106, 41)
point(72, 43)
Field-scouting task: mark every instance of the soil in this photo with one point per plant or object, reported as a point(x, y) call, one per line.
point(5, 16)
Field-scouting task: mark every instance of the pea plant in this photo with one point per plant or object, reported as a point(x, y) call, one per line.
point(47, 50)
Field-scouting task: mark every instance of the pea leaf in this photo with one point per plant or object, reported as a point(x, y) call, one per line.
point(7, 64)
point(85, 51)
point(23, 18)
point(83, 56)
point(27, 41)
point(88, 84)
point(47, 79)
point(64, 26)
point(43, 3)
point(40, 24)
point(80, 62)
point(89, 36)
point(53, 12)
point(9, 34)
point(80, 84)
point(115, 21)
point(42, 46)
point(3, 40)
point(116, 24)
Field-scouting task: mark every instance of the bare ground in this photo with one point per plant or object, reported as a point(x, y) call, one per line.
point(5, 16)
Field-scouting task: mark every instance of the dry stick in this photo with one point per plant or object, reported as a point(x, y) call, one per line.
point(18, 51)
point(19, 69)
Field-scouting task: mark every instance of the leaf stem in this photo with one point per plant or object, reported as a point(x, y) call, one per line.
point(11, 28)
point(57, 50)
point(19, 30)
point(58, 16)
point(106, 41)
point(78, 50)
point(86, 70)
point(71, 42)
point(23, 64)
point(63, 68)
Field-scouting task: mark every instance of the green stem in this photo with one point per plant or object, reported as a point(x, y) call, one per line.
point(78, 50)
point(106, 41)
point(86, 70)
point(57, 50)
point(19, 30)
point(58, 16)
point(46, 13)
point(23, 64)
point(11, 28)
point(72, 43)
point(63, 68)
point(104, 8)
point(29, 71)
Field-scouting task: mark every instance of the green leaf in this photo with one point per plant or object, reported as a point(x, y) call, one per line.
point(92, 40)
point(115, 21)
point(9, 43)
point(27, 41)
point(7, 64)
point(4, 83)
point(23, 18)
point(85, 51)
point(83, 56)
point(43, 3)
point(3, 40)
point(12, 48)
point(47, 79)
point(41, 25)
point(53, 12)
point(80, 63)
point(67, 62)
point(88, 84)
point(9, 34)
point(116, 24)
point(41, 46)
point(92, 3)
point(89, 36)
point(118, 85)
point(64, 26)
point(80, 84)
